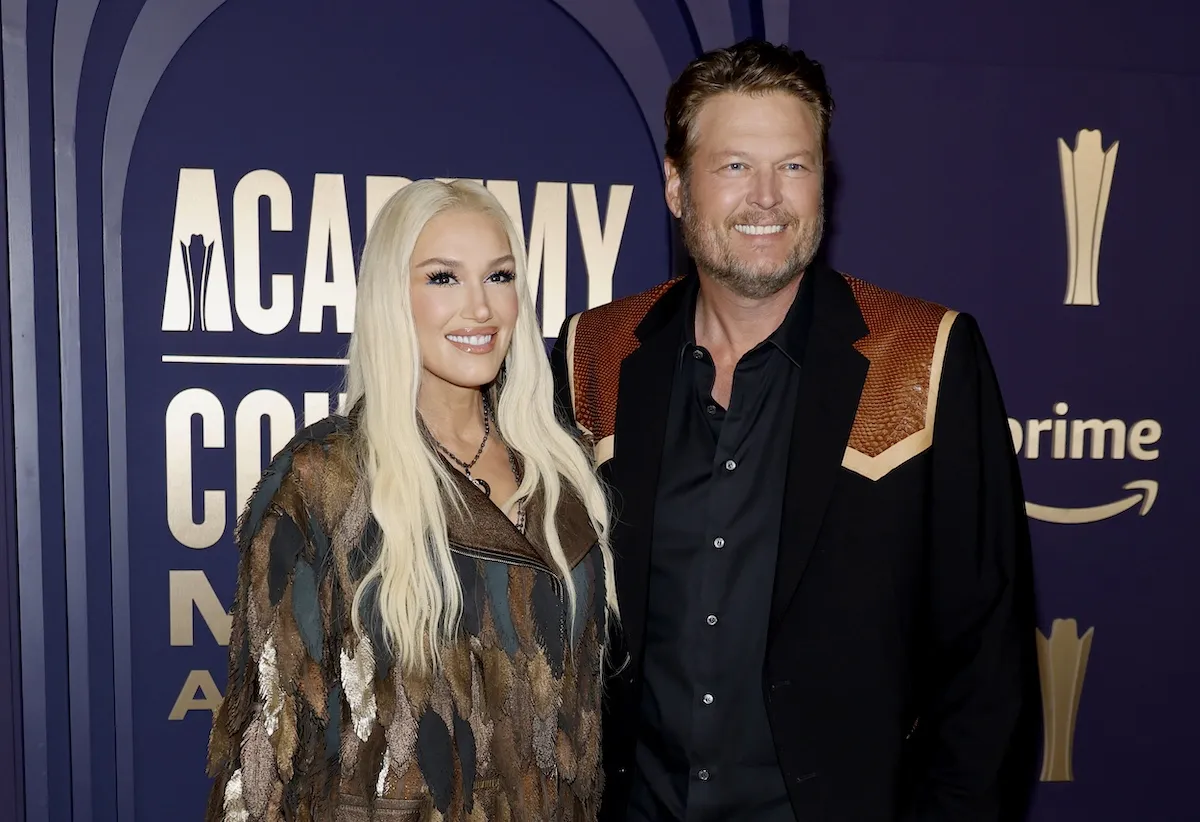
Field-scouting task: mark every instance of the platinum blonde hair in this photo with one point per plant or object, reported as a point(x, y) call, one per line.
point(420, 598)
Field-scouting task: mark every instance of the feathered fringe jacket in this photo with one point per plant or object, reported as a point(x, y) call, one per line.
point(318, 725)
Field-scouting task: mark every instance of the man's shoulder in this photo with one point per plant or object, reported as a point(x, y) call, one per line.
point(888, 312)
point(905, 347)
point(595, 344)
point(622, 316)
point(904, 333)
point(602, 337)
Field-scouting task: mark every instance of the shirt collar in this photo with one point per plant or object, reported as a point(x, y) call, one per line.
point(791, 337)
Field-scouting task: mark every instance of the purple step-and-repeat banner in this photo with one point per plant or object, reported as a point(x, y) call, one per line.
point(198, 179)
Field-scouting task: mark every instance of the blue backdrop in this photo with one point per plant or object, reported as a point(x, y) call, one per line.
point(188, 183)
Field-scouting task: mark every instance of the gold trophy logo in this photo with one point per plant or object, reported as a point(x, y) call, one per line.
point(1062, 663)
point(1087, 173)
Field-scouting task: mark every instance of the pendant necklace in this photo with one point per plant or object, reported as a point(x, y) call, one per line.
point(487, 430)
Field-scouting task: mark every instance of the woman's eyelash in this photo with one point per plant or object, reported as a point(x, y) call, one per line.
point(447, 277)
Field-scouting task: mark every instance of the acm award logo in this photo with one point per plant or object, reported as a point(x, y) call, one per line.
point(1087, 175)
point(197, 282)
point(1062, 664)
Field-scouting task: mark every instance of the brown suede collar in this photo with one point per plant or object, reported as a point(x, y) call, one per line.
point(486, 528)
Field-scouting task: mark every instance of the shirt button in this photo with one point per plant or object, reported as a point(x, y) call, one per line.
point(697, 353)
point(708, 699)
point(730, 465)
point(712, 619)
point(712, 409)
point(703, 774)
point(719, 542)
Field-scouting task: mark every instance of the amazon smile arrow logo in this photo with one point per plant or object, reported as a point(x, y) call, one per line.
point(1145, 492)
point(1061, 439)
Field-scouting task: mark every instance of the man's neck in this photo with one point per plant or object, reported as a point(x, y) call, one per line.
point(729, 325)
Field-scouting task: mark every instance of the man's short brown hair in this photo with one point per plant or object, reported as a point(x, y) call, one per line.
point(749, 67)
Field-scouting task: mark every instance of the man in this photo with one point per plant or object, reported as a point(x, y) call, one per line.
point(822, 556)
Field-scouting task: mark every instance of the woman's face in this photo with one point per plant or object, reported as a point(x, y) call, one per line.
point(464, 298)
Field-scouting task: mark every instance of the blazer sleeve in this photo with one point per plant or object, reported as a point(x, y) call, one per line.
point(268, 745)
point(982, 689)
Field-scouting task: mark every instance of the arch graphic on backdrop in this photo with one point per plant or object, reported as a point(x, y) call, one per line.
point(161, 29)
point(620, 29)
point(72, 24)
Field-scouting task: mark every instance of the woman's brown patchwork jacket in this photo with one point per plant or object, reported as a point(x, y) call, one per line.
point(318, 723)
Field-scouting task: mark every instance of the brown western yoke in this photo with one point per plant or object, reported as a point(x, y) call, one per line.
point(905, 345)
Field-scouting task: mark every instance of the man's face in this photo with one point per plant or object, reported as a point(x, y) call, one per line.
point(751, 205)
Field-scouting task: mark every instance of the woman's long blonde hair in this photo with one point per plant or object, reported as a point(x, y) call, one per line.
point(420, 598)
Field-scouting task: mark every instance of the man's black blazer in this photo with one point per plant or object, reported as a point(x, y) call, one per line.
point(901, 675)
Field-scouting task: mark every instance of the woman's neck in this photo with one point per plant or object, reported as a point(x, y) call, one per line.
point(452, 413)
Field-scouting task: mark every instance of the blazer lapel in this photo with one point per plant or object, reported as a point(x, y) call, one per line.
point(831, 383)
point(643, 400)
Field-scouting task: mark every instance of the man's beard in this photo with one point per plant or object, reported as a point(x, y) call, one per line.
point(713, 252)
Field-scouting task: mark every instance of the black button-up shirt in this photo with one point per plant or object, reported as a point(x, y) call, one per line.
point(705, 750)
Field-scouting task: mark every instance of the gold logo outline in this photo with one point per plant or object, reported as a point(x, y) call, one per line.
point(1087, 174)
point(1062, 666)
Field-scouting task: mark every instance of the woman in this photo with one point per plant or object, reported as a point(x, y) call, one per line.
point(424, 584)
